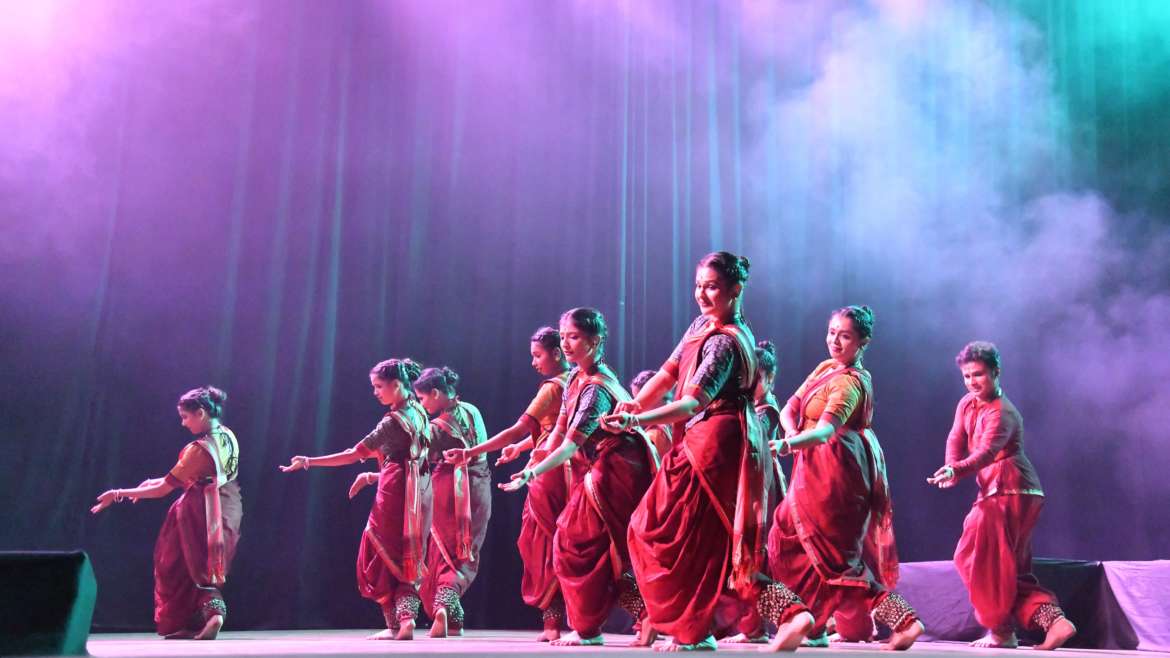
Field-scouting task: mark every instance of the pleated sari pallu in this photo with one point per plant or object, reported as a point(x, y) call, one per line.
point(462, 505)
point(198, 540)
point(392, 555)
point(700, 526)
point(832, 539)
point(546, 499)
point(590, 552)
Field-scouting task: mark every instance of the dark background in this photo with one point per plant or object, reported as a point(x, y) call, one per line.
point(273, 196)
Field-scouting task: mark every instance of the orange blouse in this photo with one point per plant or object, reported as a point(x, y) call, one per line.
point(834, 402)
point(194, 464)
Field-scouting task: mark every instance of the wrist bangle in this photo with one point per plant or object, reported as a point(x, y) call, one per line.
point(308, 463)
point(118, 495)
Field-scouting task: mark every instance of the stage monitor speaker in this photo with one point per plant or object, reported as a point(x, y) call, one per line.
point(46, 603)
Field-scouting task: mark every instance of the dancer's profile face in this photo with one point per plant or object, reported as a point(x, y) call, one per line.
point(980, 379)
point(546, 362)
point(388, 391)
point(578, 346)
point(195, 422)
point(716, 299)
point(843, 340)
point(434, 401)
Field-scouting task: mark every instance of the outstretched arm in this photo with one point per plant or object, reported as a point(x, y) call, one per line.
point(504, 438)
point(825, 428)
point(562, 454)
point(343, 458)
point(152, 488)
point(521, 436)
point(676, 411)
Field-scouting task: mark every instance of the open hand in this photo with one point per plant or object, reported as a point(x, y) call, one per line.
point(509, 453)
point(943, 478)
point(518, 480)
point(297, 463)
point(104, 500)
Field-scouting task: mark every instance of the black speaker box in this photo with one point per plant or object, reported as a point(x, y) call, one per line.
point(46, 603)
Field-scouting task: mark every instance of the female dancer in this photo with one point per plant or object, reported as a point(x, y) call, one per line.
point(548, 493)
point(462, 500)
point(819, 542)
point(994, 555)
point(199, 536)
point(702, 521)
point(590, 556)
point(392, 552)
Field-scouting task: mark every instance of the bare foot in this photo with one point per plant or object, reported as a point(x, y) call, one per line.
point(210, 629)
point(439, 626)
point(1058, 633)
point(995, 640)
point(180, 635)
point(646, 636)
point(901, 640)
point(548, 635)
point(384, 634)
point(575, 640)
point(706, 644)
point(405, 630)
point(744, 638)
point(790, 634)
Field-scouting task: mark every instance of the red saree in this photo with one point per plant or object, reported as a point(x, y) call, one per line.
point(198, 538)
point(546, 500)
point(391, 557)
point(702, 521)
point(462, 506)
point(590, 553)
point(832, 540)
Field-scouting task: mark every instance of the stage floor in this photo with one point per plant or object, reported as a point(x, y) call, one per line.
point(481, 643)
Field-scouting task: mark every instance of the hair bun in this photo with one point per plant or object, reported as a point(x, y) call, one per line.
point(412, 370)
point(451, 377)
point(731, 268)
point(767, 346)
point(216, 395)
